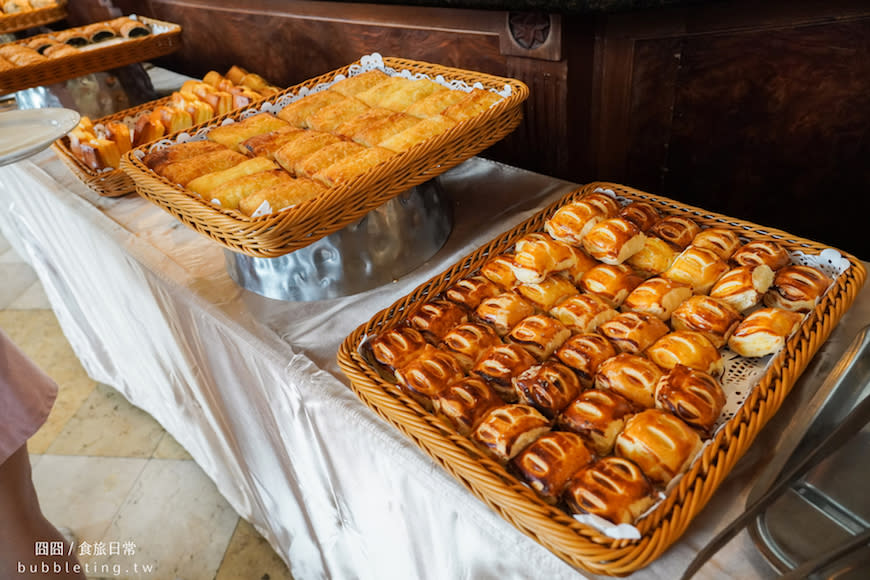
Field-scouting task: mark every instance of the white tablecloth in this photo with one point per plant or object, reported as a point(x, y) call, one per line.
point(250, 385)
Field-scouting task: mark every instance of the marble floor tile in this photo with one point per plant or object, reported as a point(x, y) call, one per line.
point(8, 255)
point(5, 246)
point(249, 555)
point(33, 298)
point(16, 278)
point(71, 395)
point(84, 493)
point(38, 334)
point(177, 520)
point(169, 448)
point(34, 458)
point(107, 425)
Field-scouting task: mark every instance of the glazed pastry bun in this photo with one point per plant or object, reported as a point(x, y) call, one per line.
point(470, 292)
point(711, 317)
point(797, 288)
point(436, 318)
point(722, 241)
point(538, 255)
point(571, 221)
point(606, 204)
point(397, 346)
point(582, 264)
point(505, 431)
point(464, 403)
point(658, 297)
point(698, 267)
point(632, 376)
point(468, 341)
point(548, 292)
point(612, 488)
point(764, 332)
point(583, 313)
point(688, 348)
point(500, 271)
point(500, 364)
point(655, 257)
point(761, 252)
point(610, 282)
point(692, 395)
point(539, 334)
point(633, 332)
point(642, 214)
point(548, 387)
point(660, 443)
point(504, 311)
point(597, 415)
point(428, 374)
point(743, 287)
point(676, 230)
point(584, 353)
point(550, 461)
point(613, 241)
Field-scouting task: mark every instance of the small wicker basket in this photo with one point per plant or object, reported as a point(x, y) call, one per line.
point(578, 544)
point(96, 58)
point(32, 18)
point(107, 182)
point(280, 233)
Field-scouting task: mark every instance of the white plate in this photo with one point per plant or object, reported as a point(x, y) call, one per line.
point(29, 131)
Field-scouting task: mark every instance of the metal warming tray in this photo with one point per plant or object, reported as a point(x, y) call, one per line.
point(387, 243)
point(829, 505)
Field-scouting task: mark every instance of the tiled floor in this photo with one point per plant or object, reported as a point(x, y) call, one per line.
point(110, 473)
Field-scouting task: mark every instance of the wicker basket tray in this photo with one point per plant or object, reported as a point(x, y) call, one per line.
point(277, 234)
point(32, 18)
point(582, 546)
point(108, 182)
point(95, 58)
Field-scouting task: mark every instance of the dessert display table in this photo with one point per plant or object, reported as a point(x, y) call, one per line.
point(250, 386)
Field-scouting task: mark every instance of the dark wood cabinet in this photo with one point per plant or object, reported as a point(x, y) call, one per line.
point(757, 110)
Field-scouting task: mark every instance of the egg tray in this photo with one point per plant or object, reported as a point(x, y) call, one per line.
point(583, 546)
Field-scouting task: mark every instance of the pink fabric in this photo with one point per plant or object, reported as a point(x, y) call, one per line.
point(26, 397)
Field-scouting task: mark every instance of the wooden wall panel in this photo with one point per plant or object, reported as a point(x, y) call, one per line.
point(763, 115)
point(652, 111)
point(289, 42)
point(767, 125)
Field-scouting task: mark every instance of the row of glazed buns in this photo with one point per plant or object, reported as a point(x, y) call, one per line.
point(587, 358)
point(19, 6)
point(265, 163)
point(100, 145)
point(53, 45)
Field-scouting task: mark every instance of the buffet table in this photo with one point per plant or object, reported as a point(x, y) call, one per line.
point(251, 388)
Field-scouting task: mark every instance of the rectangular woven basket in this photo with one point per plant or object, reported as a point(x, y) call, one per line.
point(277, 234)
point(96, 58)
point(32, 18)
point(109, 182)
point(582, 546)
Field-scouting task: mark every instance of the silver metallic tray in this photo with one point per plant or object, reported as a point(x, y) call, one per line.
point(830, 504)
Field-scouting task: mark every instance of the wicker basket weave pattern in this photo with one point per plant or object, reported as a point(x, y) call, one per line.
point(32, 18)
point(278, 234)
point(112, 183)
point(95, 59)
point(577, 544)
